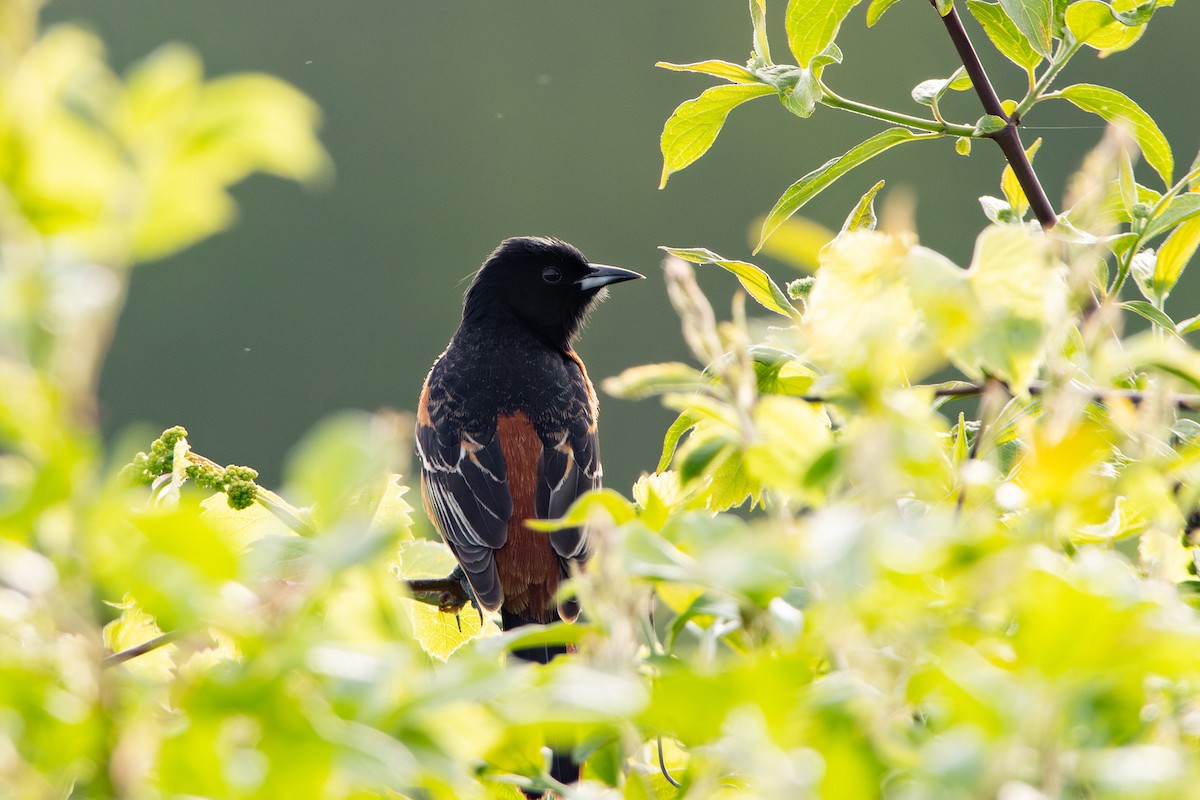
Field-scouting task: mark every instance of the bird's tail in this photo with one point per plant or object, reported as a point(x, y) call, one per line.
point(562, 767)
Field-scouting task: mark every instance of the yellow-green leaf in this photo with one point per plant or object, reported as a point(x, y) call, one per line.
point(718, 69)
point(1092, 22)
point(1033, 19)
point(863, 215)
point(823, 176)
point(756, 282)
point(694, 125)
point(813, 24)
point(758, 17)
point(1118, 109)
point(876, 9)
point(439, 633)
point(637, 383)
point(1174, 255)
point(1005, 35)
point(1012, 187)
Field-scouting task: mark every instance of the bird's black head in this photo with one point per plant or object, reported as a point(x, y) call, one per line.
point(545, 283)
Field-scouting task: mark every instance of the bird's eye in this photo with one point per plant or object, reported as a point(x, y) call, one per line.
point(551, 275)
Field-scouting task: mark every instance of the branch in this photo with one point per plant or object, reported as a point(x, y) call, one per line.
point(140, 650)
point(1008, 138)
point(958, 389)
point(448, 593)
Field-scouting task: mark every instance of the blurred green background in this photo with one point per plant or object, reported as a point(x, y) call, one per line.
point(454, 125)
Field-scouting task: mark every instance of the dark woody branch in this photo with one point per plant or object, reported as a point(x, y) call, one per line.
point(1007, 137)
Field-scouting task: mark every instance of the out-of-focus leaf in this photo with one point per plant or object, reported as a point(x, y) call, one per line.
point(602, 501)
point(797, 241)
point(644, 381)
point(135, 627)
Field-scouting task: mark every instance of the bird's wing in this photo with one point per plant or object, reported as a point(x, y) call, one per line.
point(570, 464)
point(465, 488)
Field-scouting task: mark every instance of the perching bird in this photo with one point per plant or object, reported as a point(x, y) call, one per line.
point(506, 432)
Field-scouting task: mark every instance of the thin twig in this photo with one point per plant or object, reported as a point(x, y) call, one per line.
point(1183, 402)
point(662, 765)
point(122, 656)
point(1007, 137)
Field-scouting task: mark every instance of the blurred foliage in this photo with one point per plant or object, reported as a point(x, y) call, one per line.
point(929, 597)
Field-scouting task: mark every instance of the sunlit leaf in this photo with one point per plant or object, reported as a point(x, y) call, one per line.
point(813, 24)
point(753, 279)
point(1118, 109)
point(876, 9)
point(1174, 254)
point(823, 176)
point(1005, 35)
point(1033, 19)
point(734, 73)
point(694, 125)
point(862, 218)
point(1093, 23)
point(1012, 187)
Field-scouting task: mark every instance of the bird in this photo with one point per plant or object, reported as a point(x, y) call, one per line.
point(507, 432)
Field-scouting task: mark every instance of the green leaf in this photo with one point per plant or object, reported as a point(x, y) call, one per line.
point(863, 215)
point(1174, 255)
point(989, 124)
point(616, 507)
point(1005, 35)
point(876, 9)
point(1181, 208)
point(1033, 18)
point(1116, 108)
point(825, 175)
point(1095, 24)
point(682, 424)
point(1012, 187)
point(718, 69)
point(962, 145)
point(1149, 312)
point(929, 92)
point(813, 24)
point(753, 279)
point(694, 125)
point(438, 633)
point(758, 17)
point(638, 383)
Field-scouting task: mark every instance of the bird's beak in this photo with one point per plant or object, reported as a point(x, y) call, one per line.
point(602, 275)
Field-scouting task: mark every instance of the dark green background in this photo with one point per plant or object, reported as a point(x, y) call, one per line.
point(455, 124)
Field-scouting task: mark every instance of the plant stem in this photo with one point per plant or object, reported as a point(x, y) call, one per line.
point(958, 389)
point(1008, 138)
point(141, 649)
point(1060, 59)
point(829, 98)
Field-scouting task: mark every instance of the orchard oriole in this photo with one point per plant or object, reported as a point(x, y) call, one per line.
point(506, 432)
